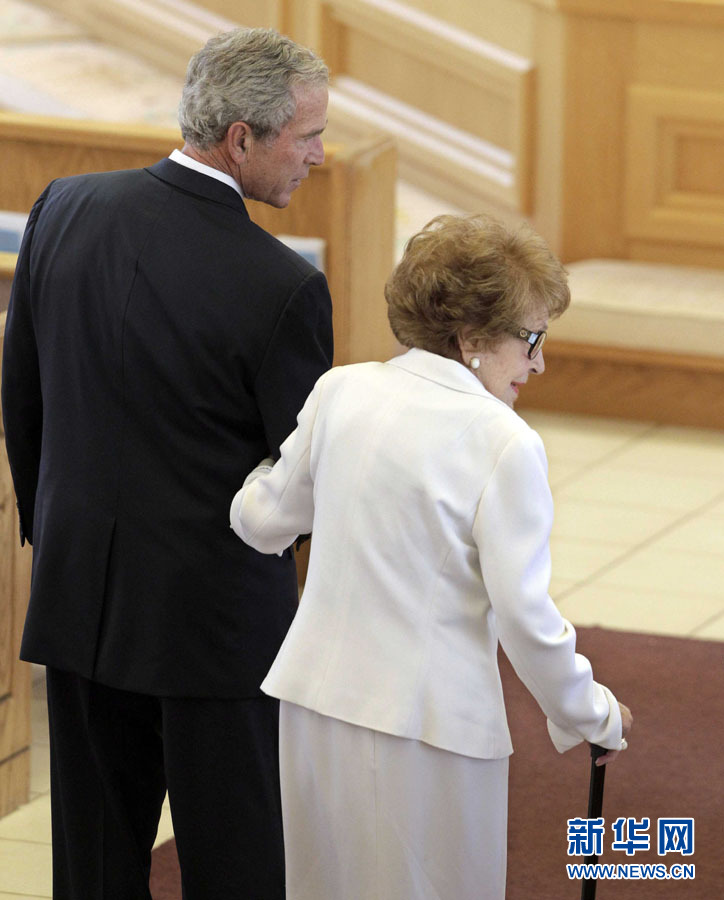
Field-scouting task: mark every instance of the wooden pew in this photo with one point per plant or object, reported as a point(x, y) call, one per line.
point(349, 202)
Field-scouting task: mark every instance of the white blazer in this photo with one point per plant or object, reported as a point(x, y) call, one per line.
point(430, 509)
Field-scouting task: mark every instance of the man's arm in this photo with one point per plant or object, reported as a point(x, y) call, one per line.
point(300, 351)
point(22, 400)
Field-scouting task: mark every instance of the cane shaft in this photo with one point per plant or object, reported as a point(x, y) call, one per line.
point(595, 806)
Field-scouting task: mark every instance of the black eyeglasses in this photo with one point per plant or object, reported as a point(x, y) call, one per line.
point(535, 339)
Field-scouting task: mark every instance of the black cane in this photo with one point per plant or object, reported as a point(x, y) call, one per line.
point(595, 805)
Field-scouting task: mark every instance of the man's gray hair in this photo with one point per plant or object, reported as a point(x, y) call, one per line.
point(246, 75)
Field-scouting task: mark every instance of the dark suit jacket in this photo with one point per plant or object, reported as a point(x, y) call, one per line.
point(158, 345)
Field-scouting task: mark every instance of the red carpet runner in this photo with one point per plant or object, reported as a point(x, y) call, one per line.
point(674, 768)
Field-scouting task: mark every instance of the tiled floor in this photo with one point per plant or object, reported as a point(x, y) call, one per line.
point(638, 539)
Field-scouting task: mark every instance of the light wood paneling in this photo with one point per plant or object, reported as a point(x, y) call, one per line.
point(36, 149)
point(681, 253)
point(14, 781)
point(256, 13)
point(688, 58)
point(631, 384)
point(459, 107)
point(302, 22)
point(671, 11)
point(598, 56)
point(15, 676)
point(7, 270)
point(508, 24)
point(629, 133)
point(674, 170)
point(550, 166)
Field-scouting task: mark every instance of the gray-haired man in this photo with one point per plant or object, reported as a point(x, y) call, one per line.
point(159, 344)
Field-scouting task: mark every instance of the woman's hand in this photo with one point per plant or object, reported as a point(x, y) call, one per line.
point(626, 723)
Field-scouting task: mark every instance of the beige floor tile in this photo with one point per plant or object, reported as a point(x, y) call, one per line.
point(673, 449)
point(39, 716)
point(569, 437)
point(561, 472)
point(627, 609)
point(25, 868)
point(716, 509)
point(627, 526)
point(560, 586)
point(30, 822)
point(577, 560)
point(39, 723)
point(712, 630)
point(165, 826)
point(672, 574)
point(39, 768)
point(700, 535)
point(612, 484)
point(4, 896)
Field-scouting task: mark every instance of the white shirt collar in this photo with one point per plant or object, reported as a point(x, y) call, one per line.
point(183, 160)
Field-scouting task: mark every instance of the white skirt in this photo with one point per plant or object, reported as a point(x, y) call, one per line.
point(369, 816)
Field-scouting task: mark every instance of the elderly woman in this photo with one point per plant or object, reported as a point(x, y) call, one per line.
point(431, 512)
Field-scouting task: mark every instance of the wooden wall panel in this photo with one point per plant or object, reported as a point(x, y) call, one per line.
point(35, 149)
point(14, 781)
point(256, 13)
point(630, 129)
point(7, 270)
point(683, 12)
point(643, 385)
point(598, 55)
point(680, 253)
point(15, 676)
point(674, 171)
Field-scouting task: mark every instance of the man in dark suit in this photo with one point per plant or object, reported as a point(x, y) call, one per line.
point(158, 345)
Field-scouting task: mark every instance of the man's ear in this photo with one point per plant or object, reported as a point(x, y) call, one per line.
point(238, 141)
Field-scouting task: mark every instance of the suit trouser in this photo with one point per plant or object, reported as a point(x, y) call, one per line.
point(114, 754)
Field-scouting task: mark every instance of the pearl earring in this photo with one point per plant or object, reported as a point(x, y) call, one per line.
point(474, 363)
